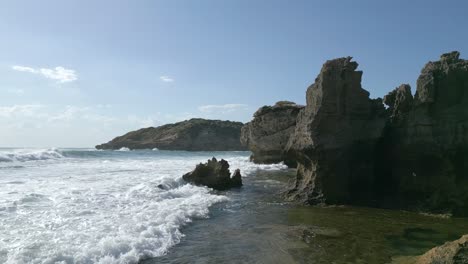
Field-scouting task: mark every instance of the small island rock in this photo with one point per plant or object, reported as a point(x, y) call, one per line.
point(214, 174)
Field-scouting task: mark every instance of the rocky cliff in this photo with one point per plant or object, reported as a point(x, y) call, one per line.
point(425, 152)
point(412, 155)
point(193, 135)
point(268, 133)
point(335, 138)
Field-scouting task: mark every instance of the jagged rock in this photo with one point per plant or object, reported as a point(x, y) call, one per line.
point(400, 102)
point(335, 138)
point(413, 155)
point(425, 155)
point(268, 133)
point(193, 135)
point(214, 174)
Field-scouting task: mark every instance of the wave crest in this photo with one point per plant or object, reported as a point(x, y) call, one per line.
point(30, 155)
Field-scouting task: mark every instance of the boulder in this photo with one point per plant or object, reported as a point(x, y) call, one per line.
point(268, 133)
point(192, 135)
point(214, 174)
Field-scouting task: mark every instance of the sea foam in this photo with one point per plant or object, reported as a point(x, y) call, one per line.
point(99, 207)
point(29, 155)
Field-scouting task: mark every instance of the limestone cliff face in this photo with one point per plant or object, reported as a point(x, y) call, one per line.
point(426, 143)
point(193, 135)
point(413, 155)
point(335, 138)
point(268, 133)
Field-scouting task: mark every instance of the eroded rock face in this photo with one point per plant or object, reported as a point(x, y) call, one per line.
point(268, 133)
point(413, 155)
point(426, 145)
point(194, 135)
point(335, 138)
point(400, 102)
point(214, 174)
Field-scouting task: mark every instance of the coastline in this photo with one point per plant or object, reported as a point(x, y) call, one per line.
point(257, 226)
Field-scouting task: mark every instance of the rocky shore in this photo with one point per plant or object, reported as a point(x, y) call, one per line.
point(193, 135)
point(349, 149)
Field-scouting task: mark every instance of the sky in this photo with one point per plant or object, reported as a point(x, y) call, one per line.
point(77, 73)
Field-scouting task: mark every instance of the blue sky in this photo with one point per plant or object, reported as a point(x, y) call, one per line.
point(78, 73)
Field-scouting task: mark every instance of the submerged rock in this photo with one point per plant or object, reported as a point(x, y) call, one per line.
point(268, 133)
point(193, 135)
point(214, 174)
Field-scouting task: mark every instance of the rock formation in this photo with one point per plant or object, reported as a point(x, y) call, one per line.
point(425, 153)
point(335, 138)
point(193, 135)
point(413, 155)
point(214, 174)
point(268, 133)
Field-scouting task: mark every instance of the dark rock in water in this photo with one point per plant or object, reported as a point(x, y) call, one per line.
point(214, 174)
point(193, 135)
point(335, 138)
point(236, 179)
point(268, 133)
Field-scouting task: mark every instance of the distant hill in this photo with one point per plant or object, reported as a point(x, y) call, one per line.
point(193, 135)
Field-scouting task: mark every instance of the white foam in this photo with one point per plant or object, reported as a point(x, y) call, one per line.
point(123, 149)
point(248, 168)
point(115, 209)
point(155, 149)
point(23, 155)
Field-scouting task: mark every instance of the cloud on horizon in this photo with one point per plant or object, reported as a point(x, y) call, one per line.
point(59, 73)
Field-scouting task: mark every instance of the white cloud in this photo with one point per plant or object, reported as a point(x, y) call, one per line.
point(60, 74)
point(166, 79)
point(226, 108)
point(23, 69)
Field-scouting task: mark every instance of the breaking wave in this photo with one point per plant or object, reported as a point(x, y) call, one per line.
point(29, 155)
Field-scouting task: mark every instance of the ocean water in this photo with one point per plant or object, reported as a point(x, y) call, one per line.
point(78, 206)
point(89, 206)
